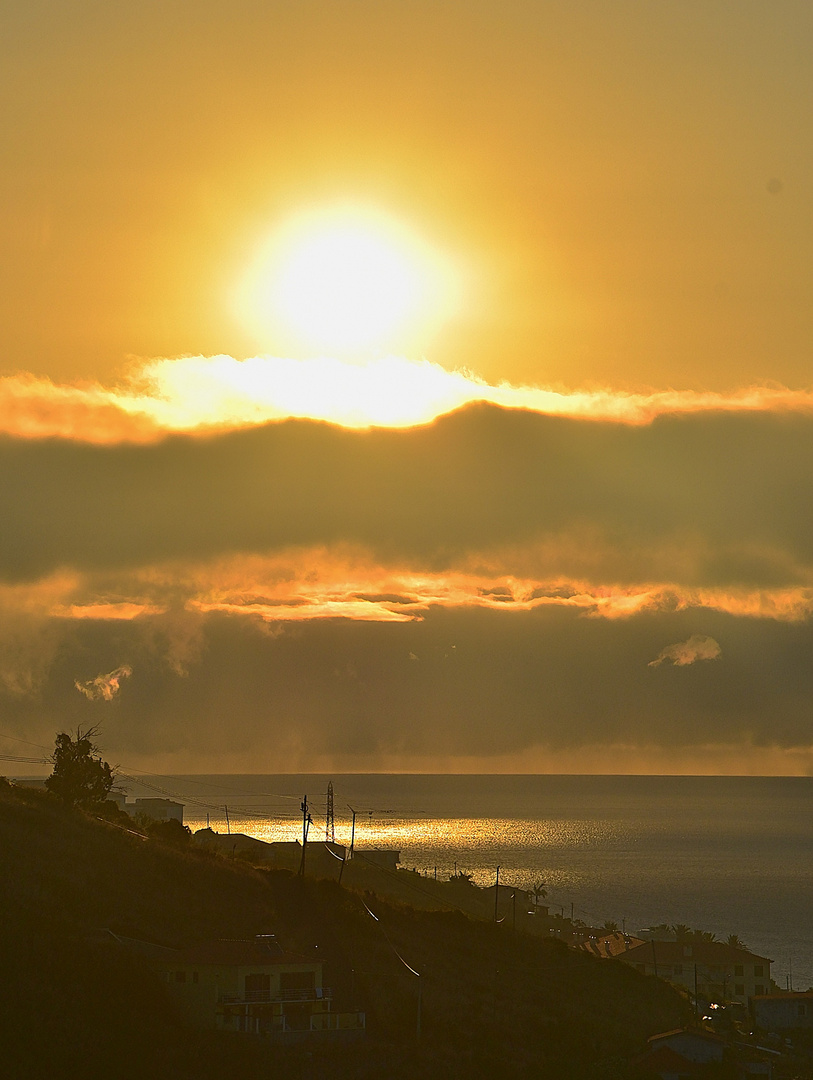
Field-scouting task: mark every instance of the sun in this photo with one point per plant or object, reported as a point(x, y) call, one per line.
point(346, 281)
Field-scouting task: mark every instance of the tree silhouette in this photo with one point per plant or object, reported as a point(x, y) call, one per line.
point(80, 777)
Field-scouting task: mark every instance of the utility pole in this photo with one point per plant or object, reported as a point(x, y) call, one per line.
point(330, 831)
point(496, 893)
point(352, 839)
point(514, 910)
point(306, 820)
point(695, 993)
point(228, 826)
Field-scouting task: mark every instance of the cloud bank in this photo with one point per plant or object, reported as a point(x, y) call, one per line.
point(489, 586)
point(527, 688)
point(712, 501)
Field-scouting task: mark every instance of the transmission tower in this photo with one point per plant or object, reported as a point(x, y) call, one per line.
point(330, 832)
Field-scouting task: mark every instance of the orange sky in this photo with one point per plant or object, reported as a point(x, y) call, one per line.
point(566, 502)
point(627, 183)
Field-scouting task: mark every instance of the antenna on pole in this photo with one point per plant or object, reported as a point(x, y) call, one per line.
point(330, 831)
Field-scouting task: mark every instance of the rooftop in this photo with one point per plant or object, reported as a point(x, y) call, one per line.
point(704, 952)
point(260, 952)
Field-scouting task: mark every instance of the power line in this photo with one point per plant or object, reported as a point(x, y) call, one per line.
point(27, 742)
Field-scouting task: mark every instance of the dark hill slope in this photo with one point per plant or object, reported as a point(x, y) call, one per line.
point(494, 1004)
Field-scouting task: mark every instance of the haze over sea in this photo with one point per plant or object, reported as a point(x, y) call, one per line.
point(724, 854)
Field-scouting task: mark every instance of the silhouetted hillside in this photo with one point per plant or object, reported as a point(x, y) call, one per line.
point(495, 1003)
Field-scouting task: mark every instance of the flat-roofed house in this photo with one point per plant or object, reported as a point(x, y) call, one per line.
point(159, 809)
point(783, 1010)
point(386, 858)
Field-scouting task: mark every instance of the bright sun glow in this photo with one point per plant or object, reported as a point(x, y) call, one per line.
point(346, 281)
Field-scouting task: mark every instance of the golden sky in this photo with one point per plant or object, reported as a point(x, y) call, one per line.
point(426, 384)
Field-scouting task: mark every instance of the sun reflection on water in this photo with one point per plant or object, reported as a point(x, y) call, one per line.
point(476, 845)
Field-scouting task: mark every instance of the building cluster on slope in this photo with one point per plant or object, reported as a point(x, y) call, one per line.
point(256, 987)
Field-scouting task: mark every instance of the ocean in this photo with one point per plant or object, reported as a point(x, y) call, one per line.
point(723, 854)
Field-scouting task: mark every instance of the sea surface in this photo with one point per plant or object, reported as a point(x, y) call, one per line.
point(723, 854)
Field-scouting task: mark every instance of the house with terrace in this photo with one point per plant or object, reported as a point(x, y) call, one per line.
point(256, 987)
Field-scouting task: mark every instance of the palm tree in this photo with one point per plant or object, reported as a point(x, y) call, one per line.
point(681, 931)
point(735, 941)
point(539, 891)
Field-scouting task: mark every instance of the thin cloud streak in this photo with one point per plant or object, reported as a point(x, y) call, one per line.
point(104, 687)
point(105, 611)
point(683, 653)
point(318, 583)
point(201, 394)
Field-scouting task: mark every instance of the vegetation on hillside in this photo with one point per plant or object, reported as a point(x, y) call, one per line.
point(79, 776)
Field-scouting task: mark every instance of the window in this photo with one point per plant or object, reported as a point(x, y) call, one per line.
point(759, 989)
point(258, 987)
point(738, 970)
point(678, 969)
point(194, 976)
point(739, 989)
point(802, 1008)
point(180, 976)
point(297, 980)
point(757, 971)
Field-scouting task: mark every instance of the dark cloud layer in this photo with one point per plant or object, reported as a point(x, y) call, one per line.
point(463, 681)
point(713, 499)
